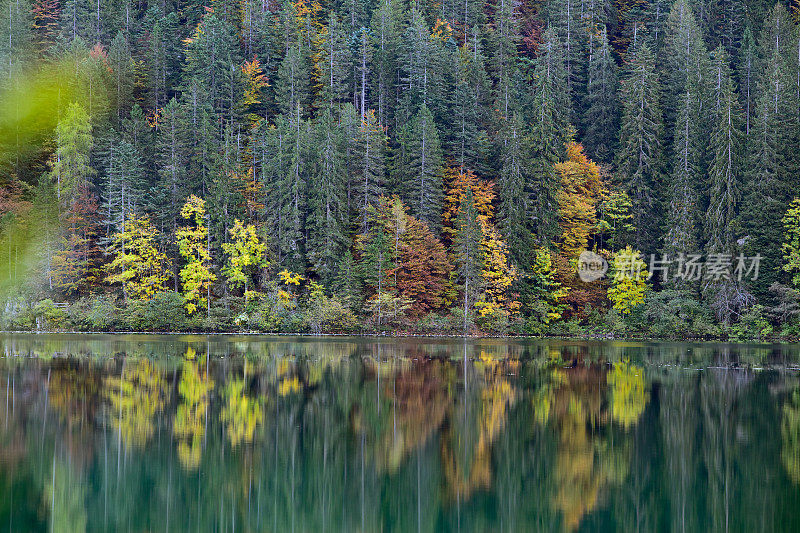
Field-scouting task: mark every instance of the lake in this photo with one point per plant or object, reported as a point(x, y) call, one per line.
point(254, 433)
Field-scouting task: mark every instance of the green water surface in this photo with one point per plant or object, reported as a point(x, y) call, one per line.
point(251, 433)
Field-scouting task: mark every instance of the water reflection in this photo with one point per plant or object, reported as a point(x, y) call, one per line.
point(243, 433)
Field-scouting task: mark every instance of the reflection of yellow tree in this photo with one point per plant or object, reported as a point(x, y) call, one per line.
point(497, 397)
point(190, 419)
point(790, 433)
point(241, 414)
point(135, 397)
point(586, 461)
point(629, 395)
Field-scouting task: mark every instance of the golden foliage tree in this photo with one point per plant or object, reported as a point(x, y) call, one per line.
point(580, 192)
point(196, 275)
point(140, 267)
point(246, 253)
point(629, 280)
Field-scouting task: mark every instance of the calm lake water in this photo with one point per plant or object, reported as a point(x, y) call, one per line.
point(247, 433)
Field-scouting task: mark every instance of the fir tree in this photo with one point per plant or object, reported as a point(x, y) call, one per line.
point(601, 121)
point(419, 172)
point(639, 156)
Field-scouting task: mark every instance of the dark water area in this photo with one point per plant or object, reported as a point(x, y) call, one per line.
point(248, 433)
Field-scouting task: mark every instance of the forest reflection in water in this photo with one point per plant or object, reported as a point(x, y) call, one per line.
point(195, 433)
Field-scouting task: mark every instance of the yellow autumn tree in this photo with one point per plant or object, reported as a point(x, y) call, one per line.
point(245, 252)
point(580, 192)
point(628, 281)
point(138, 265)
point(629, 395)
point(498, 275)
point(196, 275)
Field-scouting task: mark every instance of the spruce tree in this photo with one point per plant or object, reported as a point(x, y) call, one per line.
point(725, 168)
point(327, 219)
point(639, 156)
point(419, 172)
point(601, 120)
point(467, 252)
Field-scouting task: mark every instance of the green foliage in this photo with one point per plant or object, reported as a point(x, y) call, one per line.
point(48, 316)
point(327, 314)
point(752, 325)
point(164, 312)
point(677, 314)
point(95, 313)
point(791, 244)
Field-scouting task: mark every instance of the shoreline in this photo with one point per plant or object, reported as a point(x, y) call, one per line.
point(400, 335)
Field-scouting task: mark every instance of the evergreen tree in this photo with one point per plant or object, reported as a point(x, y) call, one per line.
point(601, 121)
point(639, 156)
point(332, 64)
point(467, 252)
point(368, 177)
point(725, 168)
point(327, 220)
point(292, 87)
point(774, 167)
point(419, 171)
point(71, 169)
point(385, 30)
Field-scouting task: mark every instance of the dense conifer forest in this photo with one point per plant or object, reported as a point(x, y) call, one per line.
point(388, 165)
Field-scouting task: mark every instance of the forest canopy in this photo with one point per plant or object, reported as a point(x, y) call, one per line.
point(410, 166)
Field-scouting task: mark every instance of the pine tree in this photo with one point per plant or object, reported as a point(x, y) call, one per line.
point(332, 64)
point(601, 121)
point(346, 284)
point(71, 169)
point(748, 60)
point(467, 253)
point(212, 74)
point(564, 21)
point(725, 168)
point(385, 30)
point(503, 39)
point(773, 165)
point(682, 216)
point(376, 260)
point(638, 159)
point(468, 141)
point(513, 210)
point(419, 171)
point(125, 190)
point(293, 85)
point(327, 220)
point(122, 66)
point(171, 161)
point(368, 177)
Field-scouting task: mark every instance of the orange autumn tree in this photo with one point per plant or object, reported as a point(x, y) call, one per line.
point(419, 269)
point(498, 274)
point(579, 195)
